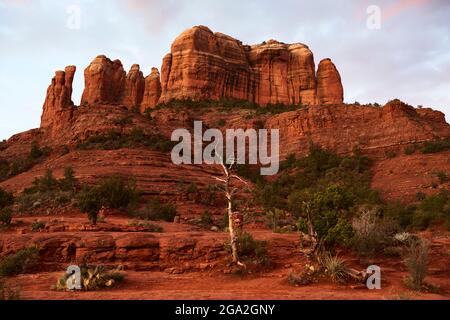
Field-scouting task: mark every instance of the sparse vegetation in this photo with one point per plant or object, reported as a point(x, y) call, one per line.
point(227, 104)
point(416, 261)
point(6, 199)
point(6, 293)
point(156, 210)
point(20, 262)
point(35, 156)
point(37, 226)
point(49, 191)
point(373, 232)
point(443, 177)
point(147, 226)
point(435, 146)
point(409, 150)
point(6, 216)
point(113, 140)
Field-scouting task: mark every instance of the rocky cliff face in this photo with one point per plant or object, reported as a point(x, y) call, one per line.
point(329, 84)
point(133, 92)
point(58, 102)
point(207, 65)
point(152, 90)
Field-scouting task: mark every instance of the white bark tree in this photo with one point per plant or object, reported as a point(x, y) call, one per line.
point(230, 189)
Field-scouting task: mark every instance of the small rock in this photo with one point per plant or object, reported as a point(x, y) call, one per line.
point(214, 229)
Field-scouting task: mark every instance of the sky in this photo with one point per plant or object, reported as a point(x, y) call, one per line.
point(384, 49)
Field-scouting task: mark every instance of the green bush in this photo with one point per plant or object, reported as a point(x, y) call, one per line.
point(249, 248)
point(37, 226)
point(155, 210)
point(20, 262)
point(113, 192)
point(435, 146)
point(6, 199)
point(443, 177)
point(6, 216)
point(4, 169)
point(409, 150)
point(206, 219)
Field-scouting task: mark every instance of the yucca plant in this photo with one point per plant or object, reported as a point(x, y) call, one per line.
point(335, 268)
point(93, 278)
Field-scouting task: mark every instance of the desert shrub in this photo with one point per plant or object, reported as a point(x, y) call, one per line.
point(273, 218)
point(4, 169)
point(93, 278)
point(37, 226)
point(206, 219)
point(249, 248)
point(68, 183)
point(306, 276)
point(6, 199)
point(432, 209)
point(435, 146)
point(409, 150)
point(149, 227)
point(45, 183)
point(335, 268)
point(373, 233)
point(391, 154)
point(155, 210)
point(6, 215)
point(6, 293)
point(443, 177)
point(416, 261)
point(20, 262)
point(114, 192)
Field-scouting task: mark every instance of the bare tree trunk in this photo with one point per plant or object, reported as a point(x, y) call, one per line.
point(233, 234)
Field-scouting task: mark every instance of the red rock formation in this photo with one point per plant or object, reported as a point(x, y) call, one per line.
point(59, 97)
point(152, 91)
point(329, 84)
point(207, 65)
point(104, 81)
point(134, 88)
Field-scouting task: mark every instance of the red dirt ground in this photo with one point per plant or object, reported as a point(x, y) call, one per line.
point(215, 284)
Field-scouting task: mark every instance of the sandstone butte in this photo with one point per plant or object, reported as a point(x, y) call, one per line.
point(206, 65)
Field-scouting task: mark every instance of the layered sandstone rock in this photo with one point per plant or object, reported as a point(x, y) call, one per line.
point(329, 84)
point(152, 91)
point(134, 88)
point(104, 81)
point(207, 65)
point(59, 97)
